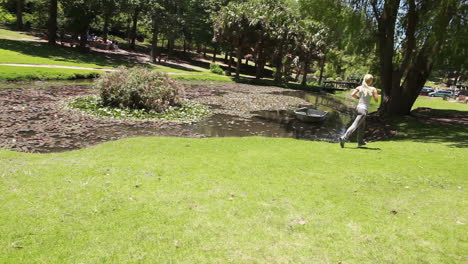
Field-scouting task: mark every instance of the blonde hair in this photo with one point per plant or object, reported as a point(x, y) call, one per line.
point(365, 88)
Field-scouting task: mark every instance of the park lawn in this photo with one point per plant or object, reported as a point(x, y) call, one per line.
point(13, 73)
point(421, 101)
point(28, 52)
point(9, 34)
point(202, 77)
point(162, 68)
point(439, 103)
point(235, 200)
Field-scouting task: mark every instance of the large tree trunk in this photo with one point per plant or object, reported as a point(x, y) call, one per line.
point(154, 41)
point(279, 63)
point(260, 63)
point(83, 38)
point(385, 45)
point(239, 61)
point(52, 23)
point(136, 13)
point(230, 60)
point(170, 45)
point(19, 14)
point(260, 68)
point(398, 97)
point(322, 68)
point(306, 71)
point(105, 31)
point(215, 53)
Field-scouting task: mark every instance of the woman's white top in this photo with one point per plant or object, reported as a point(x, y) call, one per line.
point(365, 97)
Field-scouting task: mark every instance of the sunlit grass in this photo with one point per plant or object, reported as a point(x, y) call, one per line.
point(235, 200)
point(27, 52)
point(439, 103)
point(9, 34)
point(13, 73)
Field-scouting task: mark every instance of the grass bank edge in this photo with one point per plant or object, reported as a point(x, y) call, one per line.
point(13, 73)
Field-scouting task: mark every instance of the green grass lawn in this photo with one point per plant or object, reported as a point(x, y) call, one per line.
point(439, 103)
point(17, 51)
point(12, 73)
point(235, 200)
point(162, 68)
point(241, 200)
point(203, 77)
point(9, 34)
point(27, 52)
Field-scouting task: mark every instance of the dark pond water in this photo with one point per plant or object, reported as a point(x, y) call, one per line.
point(283, 123)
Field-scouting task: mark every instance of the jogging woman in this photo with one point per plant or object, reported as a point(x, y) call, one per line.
point(363, 93)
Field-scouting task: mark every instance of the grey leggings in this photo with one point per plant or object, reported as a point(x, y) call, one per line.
point(359, 124)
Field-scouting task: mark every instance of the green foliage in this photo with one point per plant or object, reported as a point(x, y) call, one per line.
point(139, 88)
point(348, 66)
point(185, 112)
point(215, 68)
point(6, 18)
point(313, 83)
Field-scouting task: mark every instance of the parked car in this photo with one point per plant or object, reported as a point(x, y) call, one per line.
point(460, 92)
point(441, 94)
point(426, 90)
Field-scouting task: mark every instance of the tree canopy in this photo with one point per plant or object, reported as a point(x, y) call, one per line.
point(403, 42)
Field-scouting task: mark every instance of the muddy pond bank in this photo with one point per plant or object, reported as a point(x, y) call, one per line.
point(34, 119)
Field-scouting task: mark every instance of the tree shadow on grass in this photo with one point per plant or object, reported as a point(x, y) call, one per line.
point(434, 126)
point(176, 66)
point(367, 148)
point(58, 53)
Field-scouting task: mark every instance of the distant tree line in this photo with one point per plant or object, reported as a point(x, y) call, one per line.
point(403, 42)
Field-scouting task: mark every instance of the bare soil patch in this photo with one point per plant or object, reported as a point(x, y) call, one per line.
point(37, 119)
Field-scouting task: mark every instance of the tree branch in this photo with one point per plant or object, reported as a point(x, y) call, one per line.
point(410, 44)
point(375, 10)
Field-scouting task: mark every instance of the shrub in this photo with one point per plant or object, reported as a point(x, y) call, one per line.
point(215, 68)
point(139, 88)
point(313, 83)
point(6, 18)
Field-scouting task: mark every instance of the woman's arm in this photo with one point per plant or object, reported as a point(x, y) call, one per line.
point(355, 93)
point(376, 95)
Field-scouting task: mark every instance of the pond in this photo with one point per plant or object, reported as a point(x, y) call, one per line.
point(281, 123)
point(33, 117)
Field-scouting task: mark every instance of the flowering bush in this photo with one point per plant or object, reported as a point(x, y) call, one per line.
point(139, 88)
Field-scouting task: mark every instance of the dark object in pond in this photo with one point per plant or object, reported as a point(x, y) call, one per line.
point(310, 115)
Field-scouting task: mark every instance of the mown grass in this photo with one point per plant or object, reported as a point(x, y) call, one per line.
point(240, 200)
point(439, 103)
point(8, 34)
point(202, 77)
point(12, 73)
point(28, 52)
point(235, 200)
point(162, 68)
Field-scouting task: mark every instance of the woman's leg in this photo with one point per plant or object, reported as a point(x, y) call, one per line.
point(357, 123)
point(360, 132)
